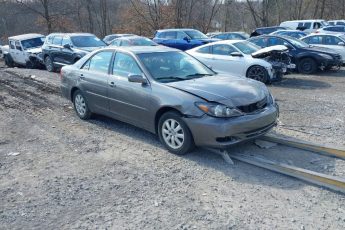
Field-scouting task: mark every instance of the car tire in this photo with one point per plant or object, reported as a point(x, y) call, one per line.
point(29, 65)
point(307, 66)
point(175, 134)
point(80, 105)
point(258, 73)
point(8, 61)
point(49, 64)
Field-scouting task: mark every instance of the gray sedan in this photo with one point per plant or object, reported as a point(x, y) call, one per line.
point(171, 94)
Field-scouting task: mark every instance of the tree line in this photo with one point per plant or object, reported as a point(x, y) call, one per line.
point(143, 17)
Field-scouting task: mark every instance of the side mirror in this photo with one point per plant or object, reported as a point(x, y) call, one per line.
point(236, 54)
point(67, 46)
point(186, 39)
point(341, 44)
point(137, 79)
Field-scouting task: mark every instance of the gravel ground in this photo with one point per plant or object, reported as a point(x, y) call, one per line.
point(58, 172)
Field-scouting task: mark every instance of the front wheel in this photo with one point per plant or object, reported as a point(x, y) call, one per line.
point(175, 134)
point(8, 61)
point(258, 73)
point(49, 64)
point(81, 106)
point(307, 66)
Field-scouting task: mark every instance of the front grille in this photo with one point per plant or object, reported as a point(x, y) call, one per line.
point(251, 108)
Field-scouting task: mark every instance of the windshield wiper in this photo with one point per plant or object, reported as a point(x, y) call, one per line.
point(198, 75)
point(172, 78)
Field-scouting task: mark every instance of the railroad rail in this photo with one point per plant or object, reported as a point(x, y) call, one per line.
point(334, 183)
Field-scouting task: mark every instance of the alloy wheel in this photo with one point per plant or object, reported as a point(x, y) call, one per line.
point(80, 105)
point(173, 134)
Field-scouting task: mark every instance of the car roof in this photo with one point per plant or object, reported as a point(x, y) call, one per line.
point(71, 34)
point(25, 36)
point(141, 49)
point(296, 31)
point(307, 20)
point(324, 34)
point(176, 29)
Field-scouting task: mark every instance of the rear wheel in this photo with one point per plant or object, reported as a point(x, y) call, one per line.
point(8, 61)
point(175, 134)
point(307, 66)
point(81, 106)
point(49, 64)
point(258, 73)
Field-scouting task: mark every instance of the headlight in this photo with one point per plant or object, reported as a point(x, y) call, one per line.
point(326, 56)
point(218, 110)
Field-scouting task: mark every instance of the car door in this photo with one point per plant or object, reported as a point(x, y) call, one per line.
point(334, 43)
point(93, 80)
point(223, 61)
point(168, 39)
point(13, 51)
point(20, 56)
point(128, 101)
point(55, 49)
point(67, 54)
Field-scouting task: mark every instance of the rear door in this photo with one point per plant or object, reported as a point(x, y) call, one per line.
point(167, 38)
point(333, 42)
point(93, 80)
point(55, 49)
point(129, 101)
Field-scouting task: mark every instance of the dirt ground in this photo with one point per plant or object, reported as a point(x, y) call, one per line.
point(59, 172)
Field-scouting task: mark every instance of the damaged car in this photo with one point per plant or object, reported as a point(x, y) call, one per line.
point(171, 94)
point(25, 50)
point(244, 59)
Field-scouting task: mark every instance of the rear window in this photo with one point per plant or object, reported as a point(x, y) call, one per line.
point(87, 41)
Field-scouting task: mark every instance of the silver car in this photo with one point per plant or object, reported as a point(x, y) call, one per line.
point(171, 94)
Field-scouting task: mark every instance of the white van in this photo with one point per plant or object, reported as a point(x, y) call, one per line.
point(308, 26)
point(337, 23)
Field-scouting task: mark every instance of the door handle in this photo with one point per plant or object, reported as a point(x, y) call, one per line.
point(82, 76)
point(112, 84)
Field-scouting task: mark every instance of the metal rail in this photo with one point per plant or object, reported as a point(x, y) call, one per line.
point(319, 149)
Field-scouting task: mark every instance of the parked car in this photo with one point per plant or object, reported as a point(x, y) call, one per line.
point(60, 49)
point(331, 30)
point(183, 39)
point(133, 41)
point(235, 57)
point(308, 26)
point(5, 49)
point(266, 30)
point(291, 33)
point(308, 59)
point(332, 41)
point(25, 50)
point(336, 23)
point(171, 94)
point(231, 36)
point(109, 38)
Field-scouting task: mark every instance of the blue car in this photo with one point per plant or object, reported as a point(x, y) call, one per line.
point(183, 39)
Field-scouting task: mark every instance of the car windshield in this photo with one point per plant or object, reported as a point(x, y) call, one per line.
point(173, 66)
point(246, 47)
point(32, 43)
point(194, 34)
point(297, 43)
point(141, 42)
point(87, 41)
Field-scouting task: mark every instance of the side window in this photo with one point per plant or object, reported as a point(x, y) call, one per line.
point(315, 40)
point(124, 43)
point(275, 41)
point(331, 23)
point(125, 65)
point(262, 42)
point(317, 25)
point(170, 35)
point(18, 46)
point(66, 40)
point(99, 62)
point(307, 25)
point(57, 40)
point(204, 50)
point(180, 35)
point(50, 40)
point(116, 43)
point(331, 40)
point(12, 45)
point(222, 36)
point(223, 50)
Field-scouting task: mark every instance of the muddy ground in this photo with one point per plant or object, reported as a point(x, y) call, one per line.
point(59, 172)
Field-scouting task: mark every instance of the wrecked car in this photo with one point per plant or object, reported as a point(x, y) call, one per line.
point(25, 50)
point(235, 57)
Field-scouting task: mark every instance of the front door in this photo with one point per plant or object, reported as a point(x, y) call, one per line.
point(18, 54)
point(127, 100)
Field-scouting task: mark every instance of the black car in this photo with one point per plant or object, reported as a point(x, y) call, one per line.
point(60, 49)
point(307, 58)
point(266, 30)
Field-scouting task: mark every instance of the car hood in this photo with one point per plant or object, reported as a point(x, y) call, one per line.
point(268, 50)
point(321, 50)
point(231, 91)
point(34, 50)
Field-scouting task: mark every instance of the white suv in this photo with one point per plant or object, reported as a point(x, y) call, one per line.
point(25, 50)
